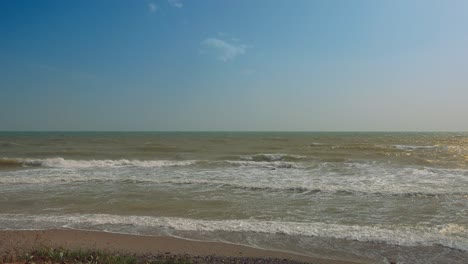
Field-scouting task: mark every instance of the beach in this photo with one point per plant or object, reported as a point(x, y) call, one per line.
point(25, 241)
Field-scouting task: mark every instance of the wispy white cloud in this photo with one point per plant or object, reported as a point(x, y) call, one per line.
point(223, 50)
point(176, 3)
point(152, 7)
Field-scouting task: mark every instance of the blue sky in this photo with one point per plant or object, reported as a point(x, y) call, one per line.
point(234, 65)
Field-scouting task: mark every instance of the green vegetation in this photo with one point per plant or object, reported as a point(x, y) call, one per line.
point(65, 256)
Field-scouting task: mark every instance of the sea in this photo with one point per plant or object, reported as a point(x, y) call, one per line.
point(368, 197)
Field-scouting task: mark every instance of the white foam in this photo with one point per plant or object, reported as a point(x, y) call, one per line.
point(330, 177)
point(317, 144)
point(449, 235)
point(264, 164)
point(413, 147)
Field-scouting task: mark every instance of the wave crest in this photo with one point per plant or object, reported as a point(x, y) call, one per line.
point(263, 164)
point(272, 157)
point(6, 162)
point(413, 147)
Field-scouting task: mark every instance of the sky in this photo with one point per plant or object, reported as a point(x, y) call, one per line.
point(244, 65)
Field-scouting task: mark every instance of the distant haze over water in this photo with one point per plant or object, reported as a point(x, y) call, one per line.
point(331, 193)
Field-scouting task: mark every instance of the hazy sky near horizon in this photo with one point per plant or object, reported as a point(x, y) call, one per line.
point(234, 65)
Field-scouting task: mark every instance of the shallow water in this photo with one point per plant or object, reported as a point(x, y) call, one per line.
point(405, 195)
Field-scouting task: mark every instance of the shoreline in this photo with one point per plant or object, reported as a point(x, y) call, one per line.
point(17, 241)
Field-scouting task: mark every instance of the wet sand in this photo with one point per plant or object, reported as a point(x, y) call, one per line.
point(12, 241)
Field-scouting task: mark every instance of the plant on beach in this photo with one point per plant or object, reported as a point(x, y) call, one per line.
point(65, 256)
point(60, 255)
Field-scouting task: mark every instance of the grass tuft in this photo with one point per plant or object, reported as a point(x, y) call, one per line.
point(60, 255)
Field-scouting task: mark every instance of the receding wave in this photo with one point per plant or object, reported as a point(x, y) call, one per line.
point(9, 144)
point(448, 235)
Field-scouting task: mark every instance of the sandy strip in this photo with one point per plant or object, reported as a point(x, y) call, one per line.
point(14, 240)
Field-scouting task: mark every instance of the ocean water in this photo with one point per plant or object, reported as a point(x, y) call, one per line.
point(370, 197)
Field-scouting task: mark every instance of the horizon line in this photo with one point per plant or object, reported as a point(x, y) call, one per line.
point(239, 131)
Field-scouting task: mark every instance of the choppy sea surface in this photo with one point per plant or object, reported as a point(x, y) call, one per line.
point(369, 197)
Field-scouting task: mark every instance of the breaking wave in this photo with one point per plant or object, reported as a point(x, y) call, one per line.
point(261, 160)
point(65, 163)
